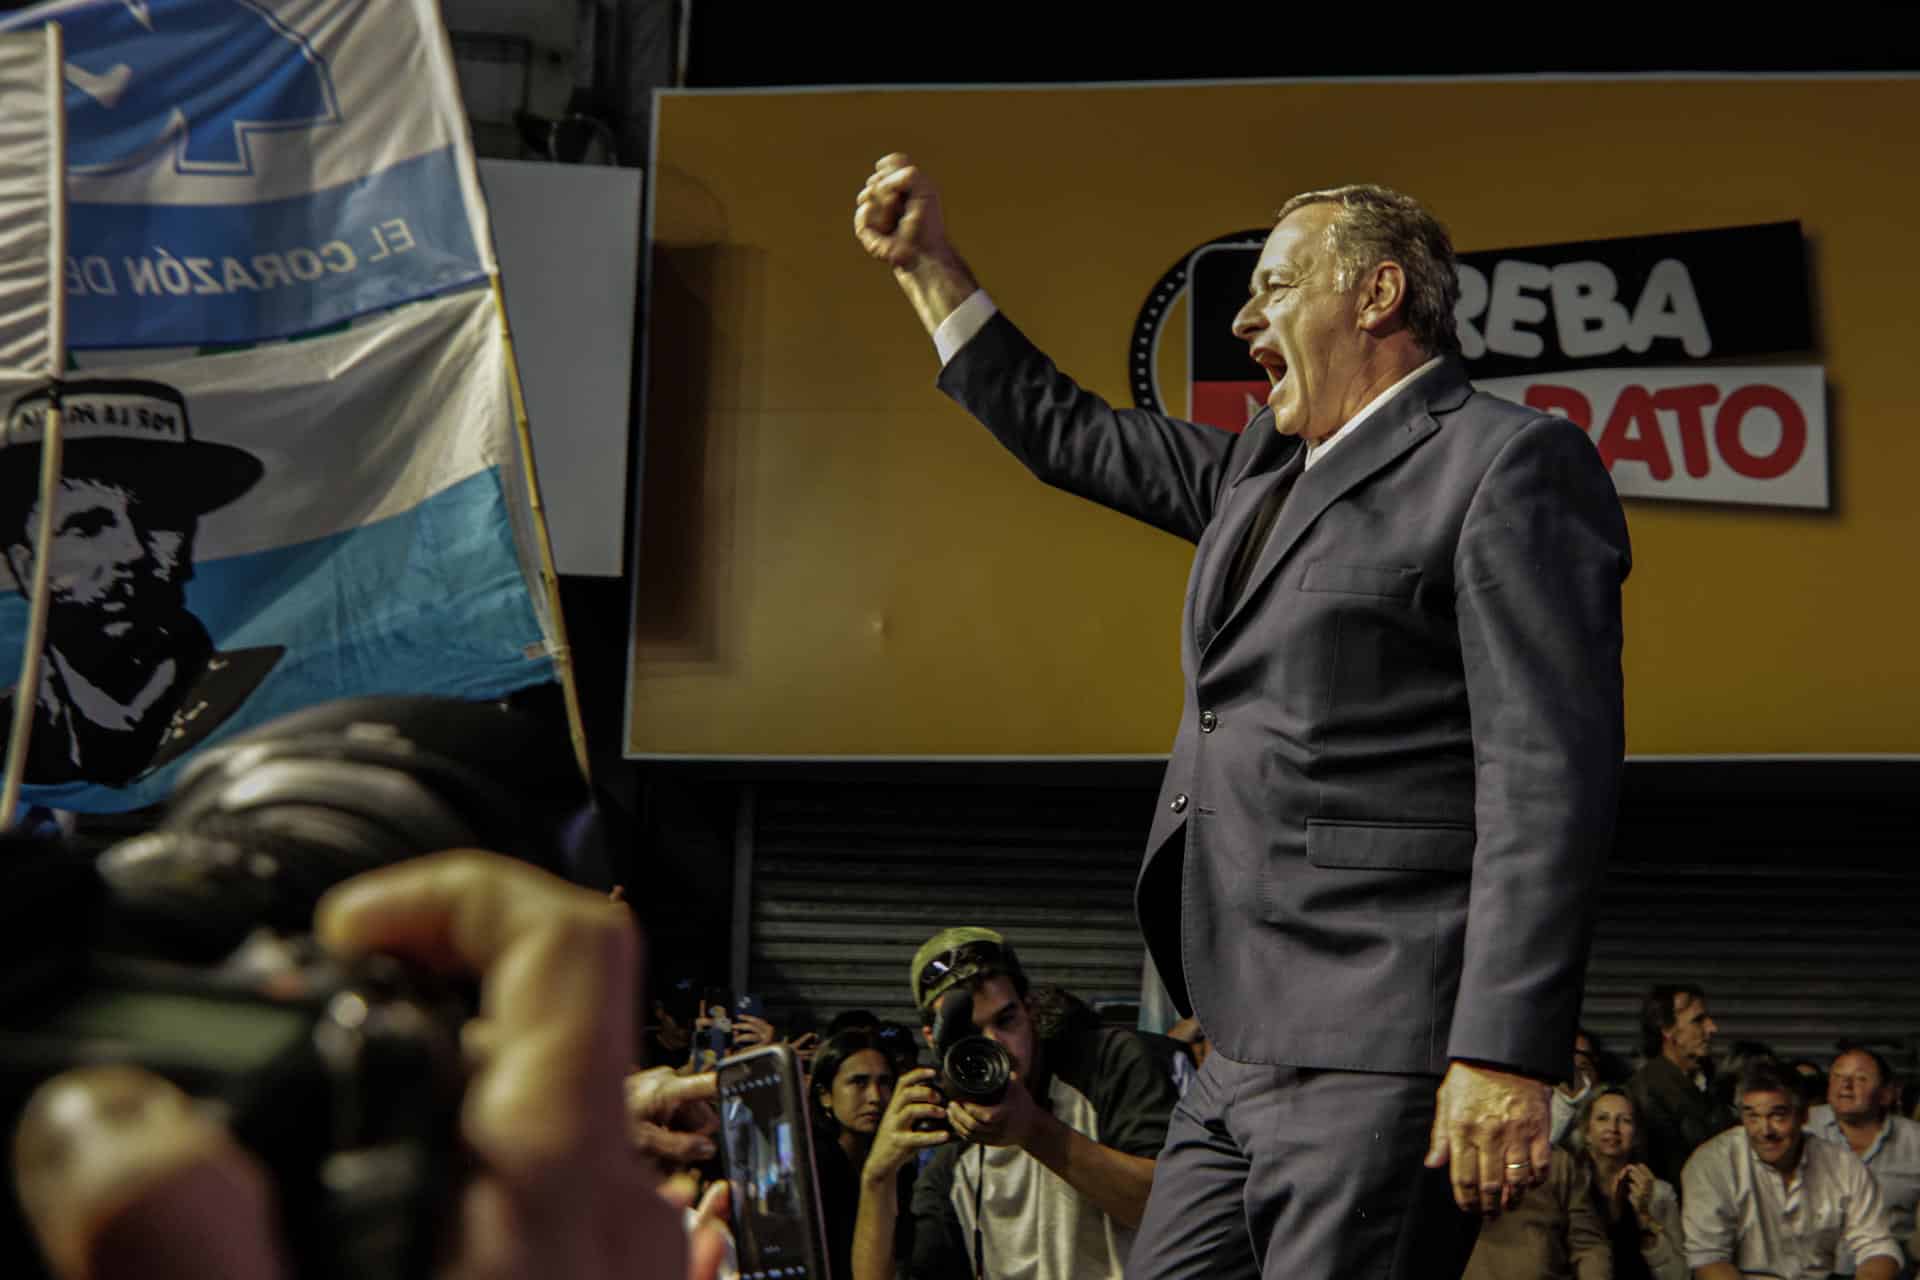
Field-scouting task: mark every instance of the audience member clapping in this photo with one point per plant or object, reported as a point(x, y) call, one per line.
point(1641, 1213)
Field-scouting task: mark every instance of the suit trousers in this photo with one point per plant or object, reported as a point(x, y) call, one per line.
point(1288, 1173)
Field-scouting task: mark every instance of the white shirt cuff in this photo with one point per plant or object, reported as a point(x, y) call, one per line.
point(958, 329)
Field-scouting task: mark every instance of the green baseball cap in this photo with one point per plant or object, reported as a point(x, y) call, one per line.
point(953, 956)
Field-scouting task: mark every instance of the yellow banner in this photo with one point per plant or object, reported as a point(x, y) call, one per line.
point(836, 561)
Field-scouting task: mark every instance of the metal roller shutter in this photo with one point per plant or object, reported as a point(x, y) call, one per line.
point(1788, 889)
point(849, 879)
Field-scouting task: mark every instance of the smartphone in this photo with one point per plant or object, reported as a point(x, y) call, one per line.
point(751, 1005)
point(778, 1225)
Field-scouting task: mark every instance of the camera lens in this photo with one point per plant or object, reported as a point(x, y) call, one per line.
point(978, 1070)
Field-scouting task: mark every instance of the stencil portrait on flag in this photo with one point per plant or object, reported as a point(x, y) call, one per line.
point(294, 464)
point(132, 678)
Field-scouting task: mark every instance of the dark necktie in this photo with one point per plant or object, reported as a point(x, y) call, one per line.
point(1255, 542)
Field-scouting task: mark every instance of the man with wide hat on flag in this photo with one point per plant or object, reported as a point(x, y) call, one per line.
point(131, 679)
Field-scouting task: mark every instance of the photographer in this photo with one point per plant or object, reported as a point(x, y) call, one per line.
point(1051, 1179)
point(122, 1177)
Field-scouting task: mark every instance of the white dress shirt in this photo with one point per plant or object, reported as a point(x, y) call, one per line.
point(1894, 1162)
point(1736, 1209)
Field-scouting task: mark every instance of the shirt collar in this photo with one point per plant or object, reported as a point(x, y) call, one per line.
point(1830, 1129)
point(1316, 451)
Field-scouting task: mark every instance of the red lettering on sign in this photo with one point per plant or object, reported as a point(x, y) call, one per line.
point(1548, 398)
point(1633, 434)
point(1793, 432)
point(1688, 404)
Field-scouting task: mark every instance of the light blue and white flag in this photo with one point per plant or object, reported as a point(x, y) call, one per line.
point(341, 505)
point(242, 170)
point(295, 523)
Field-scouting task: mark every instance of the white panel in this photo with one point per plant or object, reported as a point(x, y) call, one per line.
point(568, 237)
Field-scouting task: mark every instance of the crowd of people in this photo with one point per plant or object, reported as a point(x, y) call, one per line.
point(1692, 1163)
point(1050, 1179)
point(1718, 1166)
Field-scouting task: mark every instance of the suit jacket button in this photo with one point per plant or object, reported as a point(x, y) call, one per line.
point(1179, 803)
point(1208, 722)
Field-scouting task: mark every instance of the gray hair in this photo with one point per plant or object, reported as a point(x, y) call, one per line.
point(1378, 225)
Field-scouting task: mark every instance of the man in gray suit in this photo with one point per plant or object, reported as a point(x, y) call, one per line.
point(1395, 774)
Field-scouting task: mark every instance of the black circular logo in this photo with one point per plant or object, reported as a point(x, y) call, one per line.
point(1144, 347)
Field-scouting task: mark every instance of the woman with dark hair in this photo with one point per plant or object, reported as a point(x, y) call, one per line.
point(849, 1087)
point(1642, 1213)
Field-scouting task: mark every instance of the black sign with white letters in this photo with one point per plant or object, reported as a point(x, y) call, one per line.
point(1734, 292)
point(1675, 298)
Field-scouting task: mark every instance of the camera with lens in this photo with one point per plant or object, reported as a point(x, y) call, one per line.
point(972, 1067)
point(184, 951)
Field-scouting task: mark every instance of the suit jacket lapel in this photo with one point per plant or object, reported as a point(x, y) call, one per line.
point(1375, 444)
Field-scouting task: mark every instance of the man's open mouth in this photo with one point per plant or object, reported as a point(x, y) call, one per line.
point(1274, 367)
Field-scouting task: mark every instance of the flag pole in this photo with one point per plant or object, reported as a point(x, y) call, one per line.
point(549, 575)
point(26, 695)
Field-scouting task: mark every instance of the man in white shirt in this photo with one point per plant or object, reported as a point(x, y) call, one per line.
point(1763, 1199)
point(1858, 1115)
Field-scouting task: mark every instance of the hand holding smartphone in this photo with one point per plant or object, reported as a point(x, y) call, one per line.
point(768, 1145)
point(750, 1025)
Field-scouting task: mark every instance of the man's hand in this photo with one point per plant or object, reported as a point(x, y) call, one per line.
point(1011, 1122)
point(1492, 1127)
point(671, 1117)
point(123, 1178)
point(897, 219)
point(896, 1142)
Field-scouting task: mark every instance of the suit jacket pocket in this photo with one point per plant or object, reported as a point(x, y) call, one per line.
point(1394, 846)
point(1390, 581)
